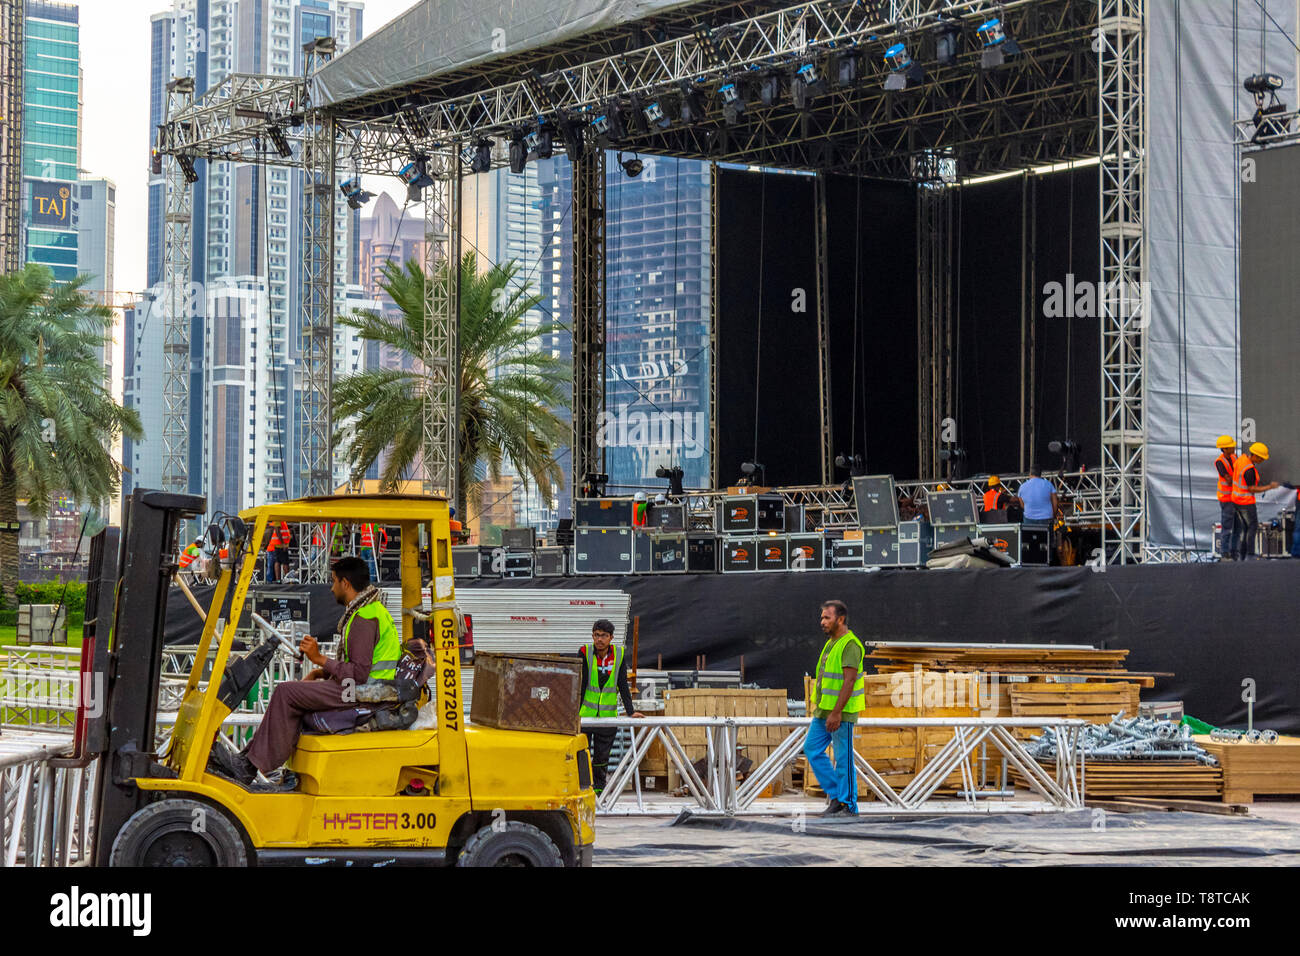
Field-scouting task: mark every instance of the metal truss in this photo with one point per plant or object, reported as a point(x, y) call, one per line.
point(589, 226)
point(717, 791)
point(1279, 129)
point(1122, 131)
point(715, 309)
point(236, 112)
point(318, 164)
point(177, 249)
point(936, 351)
point(12, 72)
point(822, 243)
point(440, 354)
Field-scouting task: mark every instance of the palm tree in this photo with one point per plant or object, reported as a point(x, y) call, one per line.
point(57, 420)
point(509, 391)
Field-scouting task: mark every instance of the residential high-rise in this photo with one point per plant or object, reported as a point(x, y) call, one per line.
point(246, 252)
point(51, 134)
point(96, 214)
point(657, 289)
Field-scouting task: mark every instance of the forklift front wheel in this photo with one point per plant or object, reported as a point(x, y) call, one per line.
point(511, 843)
point(176, 832)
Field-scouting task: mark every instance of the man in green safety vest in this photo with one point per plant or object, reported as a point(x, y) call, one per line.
point(604, 681)
point(370, 648)
point(837, 699)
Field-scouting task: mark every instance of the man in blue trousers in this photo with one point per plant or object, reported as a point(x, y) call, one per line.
point(838, 697)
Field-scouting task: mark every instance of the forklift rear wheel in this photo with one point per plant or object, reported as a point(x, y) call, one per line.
point(515, 844)
point(178, 833)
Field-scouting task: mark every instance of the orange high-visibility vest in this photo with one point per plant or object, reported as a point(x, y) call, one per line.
point(991, 499)
point(1240, 496)
point(279, 537)
point(189, 556)
point(1228, 461)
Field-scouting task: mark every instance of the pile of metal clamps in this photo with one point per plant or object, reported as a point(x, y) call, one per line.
point(1138, 738)
point(1225, 735)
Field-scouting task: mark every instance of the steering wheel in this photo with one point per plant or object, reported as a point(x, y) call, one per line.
point(265, 626)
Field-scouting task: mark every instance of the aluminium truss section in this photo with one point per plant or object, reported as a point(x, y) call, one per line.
point(177, 251)
point(11, 135)
point(236, 113)
point(936, 348)
point(822, 243)
point(588, 315)
point(1122, 146)
point(441, 356)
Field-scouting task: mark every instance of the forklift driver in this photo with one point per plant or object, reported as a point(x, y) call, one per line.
point(369, 649)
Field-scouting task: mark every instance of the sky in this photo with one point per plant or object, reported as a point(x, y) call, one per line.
point(115, 113)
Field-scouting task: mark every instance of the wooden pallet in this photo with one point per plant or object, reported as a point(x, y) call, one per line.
point(1250, 769)
point(965, 658)
point(1143, 778)
point(1096, 703)
point(757, 742)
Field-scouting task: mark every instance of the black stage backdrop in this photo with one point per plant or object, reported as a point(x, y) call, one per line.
point(1187, 619)
point(878, 271)
point(1270, 289)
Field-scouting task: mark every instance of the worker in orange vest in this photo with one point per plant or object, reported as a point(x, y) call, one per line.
point(1245, 485)
point(996, 497)
point(1224, 465)
point(277, 553)
point(640, 509)
point(368, 551)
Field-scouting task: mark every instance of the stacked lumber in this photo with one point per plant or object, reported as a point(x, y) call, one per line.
point(1096, 703)
point(1249, 769)
point(898, 754)
point(1022, 660)
point(1143, 778)
point(756, 743)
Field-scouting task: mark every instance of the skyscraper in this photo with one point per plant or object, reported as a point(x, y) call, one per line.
point(245, 400)
point(96, 214)
point(51, 134)
point(657, 290)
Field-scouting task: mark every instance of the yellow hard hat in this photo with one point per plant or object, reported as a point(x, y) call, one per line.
point(1225, 441)
point(1259, 450)
point(994, 480)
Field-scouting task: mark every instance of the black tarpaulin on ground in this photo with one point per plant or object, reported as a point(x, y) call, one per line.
point(1212, 625)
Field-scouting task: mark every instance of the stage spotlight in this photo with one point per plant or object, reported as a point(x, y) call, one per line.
point(482, 160)
point(1263, 87)
point(749, 468)
point(769, 90)
point(704, 37)
point(416, 172)
point(1068, 450)
point(733, 104)
point(674, 476)
point(631, 166)
point(538, 90)
point(279, 141)
point(352, 191)
point(854, 463)
point(997, 45)
point(187, 168)
point(518, 153)
point(575, 140)
point(947, 42)
point(846, 68)
point(540, 142)
point(903, 70)
point(806, 84)
point(654, 113)
point(691, 107)
point(413, 121)
point(956, 459)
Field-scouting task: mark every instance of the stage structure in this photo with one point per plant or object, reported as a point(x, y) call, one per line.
point(931, 91)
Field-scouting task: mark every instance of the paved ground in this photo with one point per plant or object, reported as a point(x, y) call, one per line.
point(1268, 836)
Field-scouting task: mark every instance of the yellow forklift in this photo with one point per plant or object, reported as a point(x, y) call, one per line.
point(453, 794)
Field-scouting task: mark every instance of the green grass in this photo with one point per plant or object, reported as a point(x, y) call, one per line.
point(9, 635)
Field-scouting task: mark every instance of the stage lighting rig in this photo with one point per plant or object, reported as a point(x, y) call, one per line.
point(769, 89)
point(733, 104)
point(846, 68)
point(540, 142)
point(416, 176)
point(575, 140)
point(279, 141)
point(353, 193)
point(187, 168)
point(806, 83)
point(674, 476)
point(750, 468)
point(997, 45)
point(903, 70)
point(482, 159)
point(955, 456)
point(412, 121)
point(1263, 87)
point(543, 102)
point(654, 113)
point(593, 485)
point(631, 166)
point(947, 42)
point(609, 124)
point(708, 45)
point(691, 107)
point(854, 463)
point(1069, 451)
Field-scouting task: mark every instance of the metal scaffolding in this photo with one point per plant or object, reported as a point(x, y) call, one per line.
point(11, 135)
point(177, 250)
point(588, 314)
point(821, 240)
point(1122, 146)
point(936, 349)
point(442, 326)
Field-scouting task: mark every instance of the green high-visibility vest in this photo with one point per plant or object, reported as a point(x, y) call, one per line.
point(388, 646)
point(830, 677)
point(601, 701)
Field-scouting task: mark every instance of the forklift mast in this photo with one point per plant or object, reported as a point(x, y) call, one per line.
point(128, 659)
